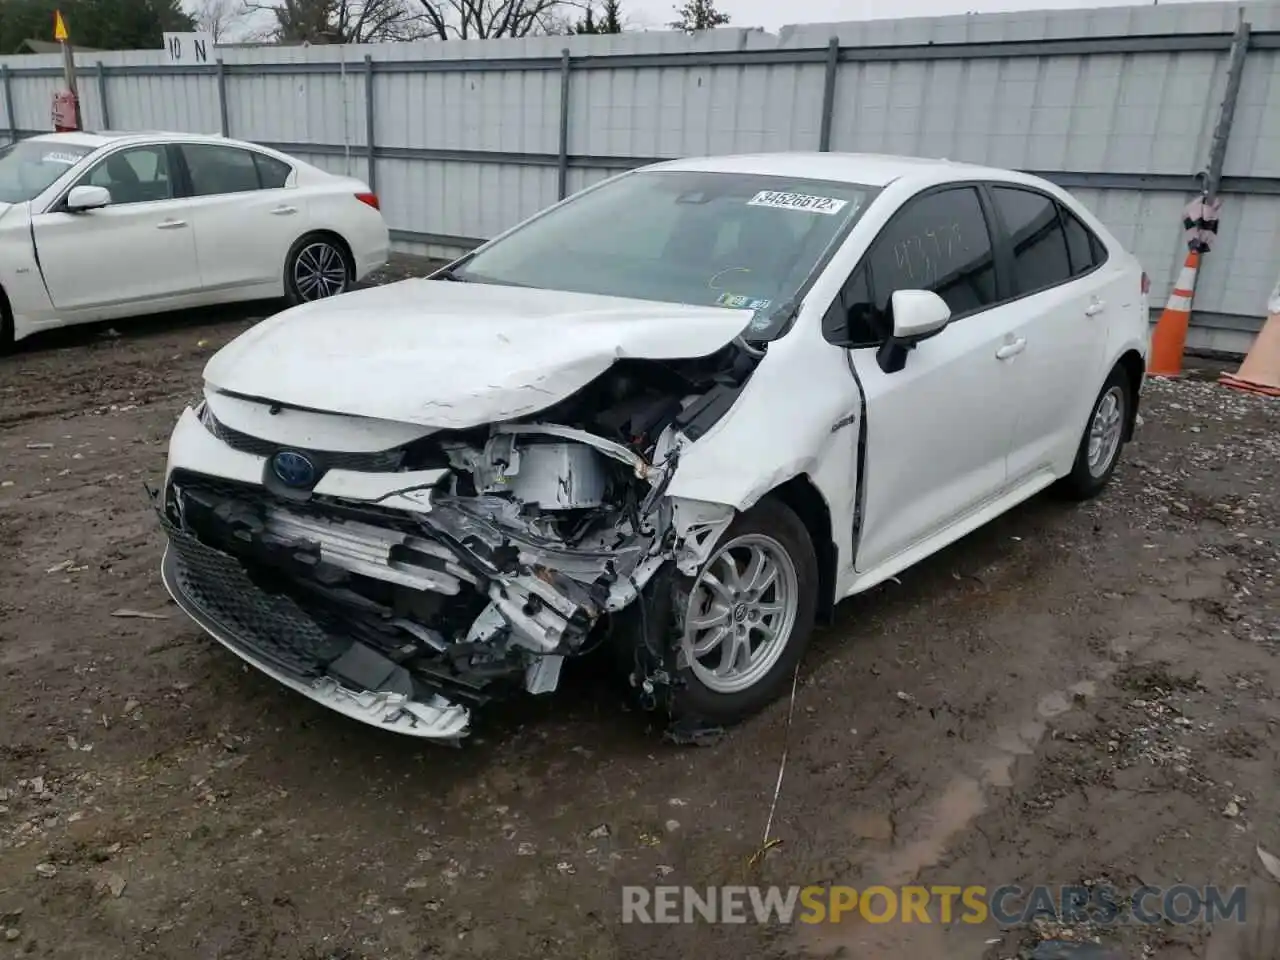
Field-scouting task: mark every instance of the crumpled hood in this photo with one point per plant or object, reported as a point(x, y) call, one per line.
point(454, 355)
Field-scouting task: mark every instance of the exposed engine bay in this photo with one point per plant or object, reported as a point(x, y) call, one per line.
point(520, 544)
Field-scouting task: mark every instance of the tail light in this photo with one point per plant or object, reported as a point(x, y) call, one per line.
point(371, 199)
point(1146, 283)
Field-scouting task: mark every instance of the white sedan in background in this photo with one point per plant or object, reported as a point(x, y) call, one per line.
point(97, 226)
point(681, 414)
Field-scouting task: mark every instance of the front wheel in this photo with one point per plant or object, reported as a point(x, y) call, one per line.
point(748, 615)
point(1103, 439)
point(317, 267)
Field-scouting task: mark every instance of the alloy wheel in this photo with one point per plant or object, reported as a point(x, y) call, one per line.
point(319, 271)
point(1105, 431)
point(741, 612)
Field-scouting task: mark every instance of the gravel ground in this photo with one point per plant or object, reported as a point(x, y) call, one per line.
point(1074, 694)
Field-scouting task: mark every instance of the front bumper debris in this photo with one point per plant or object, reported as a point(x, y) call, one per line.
point(273, 634)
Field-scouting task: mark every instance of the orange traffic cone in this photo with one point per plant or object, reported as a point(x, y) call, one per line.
point(1260, 372)
point(1170, 337)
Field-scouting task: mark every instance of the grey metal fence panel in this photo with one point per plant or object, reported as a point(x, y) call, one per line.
point(1254, 148)
point(182, 103)
point(464, 139)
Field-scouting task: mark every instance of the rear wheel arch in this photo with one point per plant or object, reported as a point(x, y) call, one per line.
point(6, 322)
point(1135, 369)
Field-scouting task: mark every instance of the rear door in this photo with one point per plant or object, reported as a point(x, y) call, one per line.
point(245, 215)
point(1063, 296)
point(139, 248)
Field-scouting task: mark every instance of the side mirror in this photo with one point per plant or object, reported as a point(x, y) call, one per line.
point(917, 315)
point(83, 199)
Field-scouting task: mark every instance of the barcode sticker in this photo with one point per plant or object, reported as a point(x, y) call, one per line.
point(797, 201)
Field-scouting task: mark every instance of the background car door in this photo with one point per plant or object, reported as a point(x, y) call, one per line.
point(245, 219)
point(938, 430)
point(1063, 306)
point(139, 248)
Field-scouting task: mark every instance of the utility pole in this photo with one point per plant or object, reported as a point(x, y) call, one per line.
point(61, 34)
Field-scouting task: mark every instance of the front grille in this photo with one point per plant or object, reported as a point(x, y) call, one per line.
point(381, 461)
point(219, 594)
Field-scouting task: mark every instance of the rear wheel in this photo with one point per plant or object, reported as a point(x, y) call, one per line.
point(748, 615)
point(318, 266)
point(6, 326)
point(1103, 439)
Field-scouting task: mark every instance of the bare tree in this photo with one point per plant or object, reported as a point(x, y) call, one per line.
point(338, 21)
point(489, 19)
point(217, 18)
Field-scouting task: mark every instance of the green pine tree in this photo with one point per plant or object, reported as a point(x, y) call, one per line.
point(698, 15)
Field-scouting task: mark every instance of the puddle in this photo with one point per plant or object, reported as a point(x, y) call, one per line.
point(963, 800)
point(960, 804)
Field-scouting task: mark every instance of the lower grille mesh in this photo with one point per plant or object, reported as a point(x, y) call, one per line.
point(269, 627)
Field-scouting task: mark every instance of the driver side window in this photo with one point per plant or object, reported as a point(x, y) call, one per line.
point(136, 175)
point(939, 242)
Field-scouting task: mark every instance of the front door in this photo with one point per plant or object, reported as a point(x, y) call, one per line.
point(139, 248)
point(938, 430)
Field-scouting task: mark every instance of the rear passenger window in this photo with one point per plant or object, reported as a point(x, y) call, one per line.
point(938, 242)
point(1040, 256)
point(1085, 249)
point(217, 169)
point(272, 172)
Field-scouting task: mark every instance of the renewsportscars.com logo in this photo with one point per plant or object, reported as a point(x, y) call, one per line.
point(1009, 905)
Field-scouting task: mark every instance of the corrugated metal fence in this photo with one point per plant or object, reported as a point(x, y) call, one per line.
point(463, 139)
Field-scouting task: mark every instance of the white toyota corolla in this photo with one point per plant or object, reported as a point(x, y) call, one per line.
point(102, 226)
point(682, 413)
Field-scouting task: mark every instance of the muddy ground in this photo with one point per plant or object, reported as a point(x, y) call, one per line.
point(1073, 694)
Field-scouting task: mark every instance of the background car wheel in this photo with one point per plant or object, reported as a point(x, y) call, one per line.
point(318, 266)
point(1103, 439)
point(748, 616)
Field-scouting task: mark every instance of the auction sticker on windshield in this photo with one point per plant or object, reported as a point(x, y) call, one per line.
point(797, 201)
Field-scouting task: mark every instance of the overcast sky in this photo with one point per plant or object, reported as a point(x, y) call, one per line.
point(772, 14)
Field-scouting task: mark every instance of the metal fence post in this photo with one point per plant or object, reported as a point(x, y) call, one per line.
point(829, 93)
point(562, 166)
point(369, 142)
point(102, 96)
point(1222, 132)
point(8, 103)
point(222, 98)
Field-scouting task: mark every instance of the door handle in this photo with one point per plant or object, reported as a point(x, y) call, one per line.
point(1012, 349)
point(284, 210)
point(170, 224)
point(1095, 308)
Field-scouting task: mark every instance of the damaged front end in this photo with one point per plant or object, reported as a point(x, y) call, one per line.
point(406, 587)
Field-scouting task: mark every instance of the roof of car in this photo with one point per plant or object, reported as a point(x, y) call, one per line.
point(101, 138)
point(871, 169)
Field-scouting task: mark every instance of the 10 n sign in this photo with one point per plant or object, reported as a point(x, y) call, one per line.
point(187, 48)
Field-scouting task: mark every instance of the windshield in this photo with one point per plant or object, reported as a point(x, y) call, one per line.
point(712, 239)
point(29, 167)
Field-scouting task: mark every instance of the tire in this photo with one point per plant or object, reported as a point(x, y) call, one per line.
point(318, 266)
point(6, 327)
point(712, 603)
point(1108, 420)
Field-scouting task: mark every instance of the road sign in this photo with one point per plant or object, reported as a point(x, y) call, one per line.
point(186, 48)
point(60, 27)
